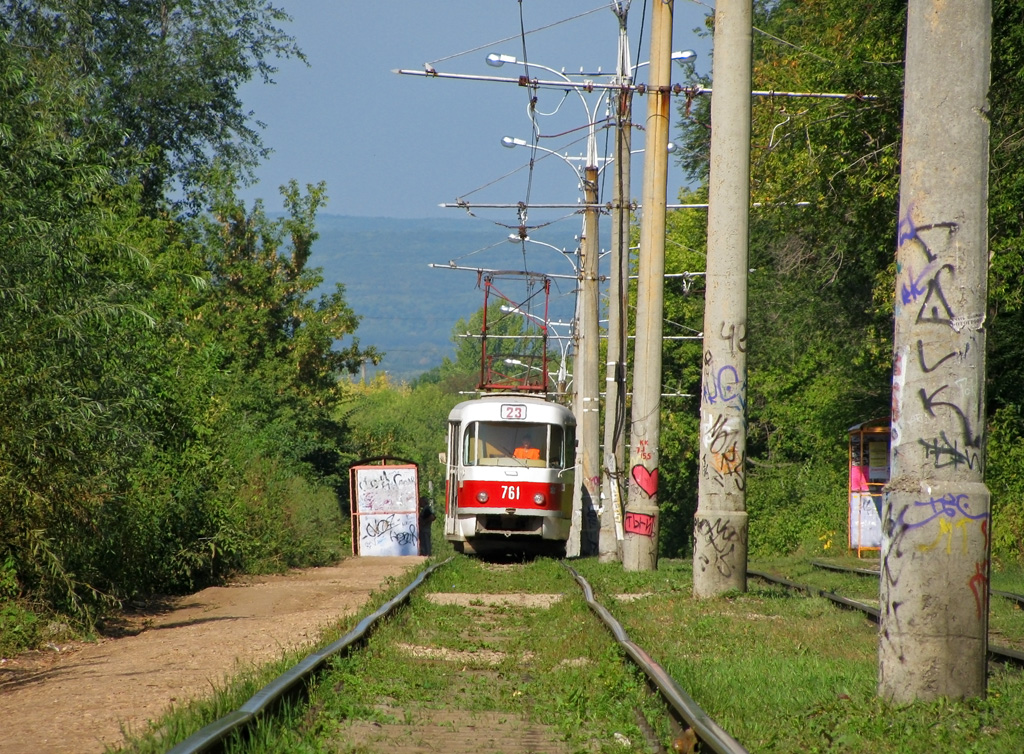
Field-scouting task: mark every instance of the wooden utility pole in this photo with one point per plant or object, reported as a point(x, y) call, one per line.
point(936, 518)
point(720, 526)
point(612, 488)
point(640, 546)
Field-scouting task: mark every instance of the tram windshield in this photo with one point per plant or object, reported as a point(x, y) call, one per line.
point(519, 444)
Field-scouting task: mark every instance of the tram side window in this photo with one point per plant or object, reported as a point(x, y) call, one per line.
point(472, 448)
point(557, 445)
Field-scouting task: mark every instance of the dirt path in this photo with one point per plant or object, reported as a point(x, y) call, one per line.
point(80, 698)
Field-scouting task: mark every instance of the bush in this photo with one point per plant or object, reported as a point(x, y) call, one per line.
point(795, 508)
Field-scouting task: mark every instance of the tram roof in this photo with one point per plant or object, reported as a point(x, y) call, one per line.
point(488, 408)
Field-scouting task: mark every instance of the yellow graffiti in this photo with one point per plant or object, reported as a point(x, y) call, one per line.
point(946, 530)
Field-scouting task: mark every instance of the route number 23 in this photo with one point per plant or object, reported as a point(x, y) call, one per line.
point(513, 411)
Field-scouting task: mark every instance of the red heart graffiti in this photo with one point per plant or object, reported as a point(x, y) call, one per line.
point(646, 480)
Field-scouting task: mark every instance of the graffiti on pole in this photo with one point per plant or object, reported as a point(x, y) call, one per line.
point(722, 539)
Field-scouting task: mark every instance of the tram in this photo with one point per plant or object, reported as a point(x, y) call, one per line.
point(510, 475)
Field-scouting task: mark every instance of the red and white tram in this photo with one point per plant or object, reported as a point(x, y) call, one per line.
point(511, 472)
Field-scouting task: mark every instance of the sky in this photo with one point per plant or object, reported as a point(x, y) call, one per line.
point(398, 146)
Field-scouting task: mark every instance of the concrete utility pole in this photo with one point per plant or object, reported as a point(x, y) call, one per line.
point(587, 373)
point(612, 488)
point(640, 545)
point(720, 525)
point(936, 518)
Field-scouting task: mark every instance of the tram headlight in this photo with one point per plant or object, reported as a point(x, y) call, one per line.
point(538, 498)
point(481, 496)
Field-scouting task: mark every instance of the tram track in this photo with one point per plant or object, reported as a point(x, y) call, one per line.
point(442, 666)
point(485, 657)
point(1018, 599)
point(996, 653)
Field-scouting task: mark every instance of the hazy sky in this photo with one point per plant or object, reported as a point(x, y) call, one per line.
point(397, 146)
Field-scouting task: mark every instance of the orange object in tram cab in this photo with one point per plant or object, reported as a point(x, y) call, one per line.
point(526, 452)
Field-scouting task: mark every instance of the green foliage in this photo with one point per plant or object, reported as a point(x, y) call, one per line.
point(72, 320)
point(402, 421)
point(796, 508)
point(820, 297)
point(167, 386)
point(19, 628)
point(1004, 475)
point(167, 73)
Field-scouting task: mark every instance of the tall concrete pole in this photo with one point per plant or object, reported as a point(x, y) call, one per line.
point(583, 533)
point(589, 377)
point(612, 488)
point(640, 545)
point(936, 517)
point(720, 525)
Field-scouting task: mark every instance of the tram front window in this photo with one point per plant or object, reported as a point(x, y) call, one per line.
point(500, 444)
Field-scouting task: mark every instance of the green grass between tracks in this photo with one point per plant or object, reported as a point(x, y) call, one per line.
point(556, 667)
point(782, 672)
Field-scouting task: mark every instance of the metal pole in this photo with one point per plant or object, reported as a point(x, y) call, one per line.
point(640, 544)
point(936, 517)
point(618, 302)
point(720, 525)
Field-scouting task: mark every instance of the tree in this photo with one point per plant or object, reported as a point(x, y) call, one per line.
point(73, 279)
point(167, 384)
point(820, 297)
point(165, 74)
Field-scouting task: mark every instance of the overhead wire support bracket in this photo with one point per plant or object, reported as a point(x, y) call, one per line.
point(641, 89)
point(485, 271)
point(468, 205)
point(526, 81)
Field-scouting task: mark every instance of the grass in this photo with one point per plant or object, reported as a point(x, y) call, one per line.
point(558, 667)
point(1006, 621)
point(782, 672)
point(185, 719)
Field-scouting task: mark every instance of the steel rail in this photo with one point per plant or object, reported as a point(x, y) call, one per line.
point(869, 610)
point(215, 733)
point(707, 730)
point(844, 569)
point(1018, 598)
point(995, 652)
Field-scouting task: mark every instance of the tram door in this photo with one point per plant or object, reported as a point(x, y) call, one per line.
point(452, 483)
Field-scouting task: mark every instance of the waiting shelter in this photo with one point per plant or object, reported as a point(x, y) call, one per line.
point(869, 473)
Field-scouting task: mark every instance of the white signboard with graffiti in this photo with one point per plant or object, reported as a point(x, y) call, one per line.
point(865, 521)
point(385, 510)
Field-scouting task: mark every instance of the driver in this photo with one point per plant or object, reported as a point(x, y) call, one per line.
point(526, 451)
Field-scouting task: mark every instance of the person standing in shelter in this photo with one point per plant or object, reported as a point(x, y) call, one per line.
point(427, 517)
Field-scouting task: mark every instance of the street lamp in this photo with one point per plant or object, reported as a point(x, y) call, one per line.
point(516, 238)
point(511, 142)
point(678, 56)
point(497, 60)
point(560, 383)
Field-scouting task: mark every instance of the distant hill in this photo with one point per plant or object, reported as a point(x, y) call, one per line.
point(408, 309)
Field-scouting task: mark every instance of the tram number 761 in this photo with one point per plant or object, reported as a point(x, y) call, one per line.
point(509, 492)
